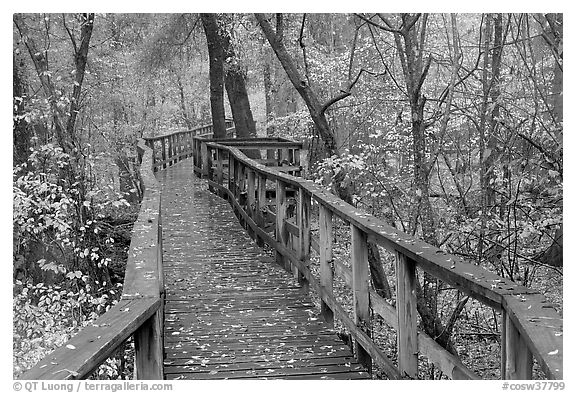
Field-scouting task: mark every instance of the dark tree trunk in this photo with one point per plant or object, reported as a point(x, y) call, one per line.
point(235, 82)
point(81, 58)
point(216, 61)
point(240, 104)
point(20, 131)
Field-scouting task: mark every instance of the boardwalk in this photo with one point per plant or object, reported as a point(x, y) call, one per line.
point(231, 312)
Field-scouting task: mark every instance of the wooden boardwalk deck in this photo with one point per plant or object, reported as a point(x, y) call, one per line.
point(231, 312)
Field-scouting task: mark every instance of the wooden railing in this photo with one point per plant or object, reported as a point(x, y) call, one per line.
point(139, 313)
point(171, 148)
point(531, 328)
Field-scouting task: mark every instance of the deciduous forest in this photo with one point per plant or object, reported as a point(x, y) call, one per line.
point(448, 127)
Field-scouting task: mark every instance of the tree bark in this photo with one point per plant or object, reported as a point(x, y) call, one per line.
point(216, 73)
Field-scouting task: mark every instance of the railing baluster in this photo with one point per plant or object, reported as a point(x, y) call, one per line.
point(251, 199)
point(517, 358)
point(326, 272)
point(261, 206)
point(281, 230)
point(220, 168)
point(163, 152)
point(303, 216)
point(407, 336)
point(360, 290)
point(205, 159)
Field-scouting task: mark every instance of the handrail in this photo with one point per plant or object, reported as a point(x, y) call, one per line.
point(531, 327)
point(139, 311)
point(169, 148)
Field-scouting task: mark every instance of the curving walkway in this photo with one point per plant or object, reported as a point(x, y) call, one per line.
point(230, 311)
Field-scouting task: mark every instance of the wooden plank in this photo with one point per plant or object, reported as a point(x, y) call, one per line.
point(407, 316)
point(96, 342)
point(360, 285)
point(326, 274)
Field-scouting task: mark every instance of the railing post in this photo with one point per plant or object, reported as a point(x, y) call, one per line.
point(241, 178)
point(270, 155)
point(151, 145)
point(297, 160)
point(281, 230)
point(163, 140)
point(170, 150)
point(220, 167)
point(407, 316)
point(516, 356)
point(188, 144)
point(251, 200)
point(204, 155)
point(261, 206)
point(360, 291)
point(231, 174)
point(326, 273)
point(148, 349)
point(304, 201)
point(235, 171)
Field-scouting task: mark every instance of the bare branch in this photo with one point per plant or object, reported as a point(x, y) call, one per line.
point(303, 46)
point(347, 92)
point(72, 39)
point(378, 25)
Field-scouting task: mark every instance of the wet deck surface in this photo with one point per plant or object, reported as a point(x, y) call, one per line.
point(231, 312)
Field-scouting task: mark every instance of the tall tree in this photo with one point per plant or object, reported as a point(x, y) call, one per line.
point(318, 114)
point(216, 60)
point(235, 82)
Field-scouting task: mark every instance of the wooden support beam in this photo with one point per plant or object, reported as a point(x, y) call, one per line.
point(407, 336)
point(326, 273)
point(360, 290)
point(517, 358)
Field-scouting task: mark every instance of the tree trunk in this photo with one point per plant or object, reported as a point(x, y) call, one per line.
point(316, 109)
point(216, 73)
point(20, 131)
point(300, 83)
point(235, 82)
